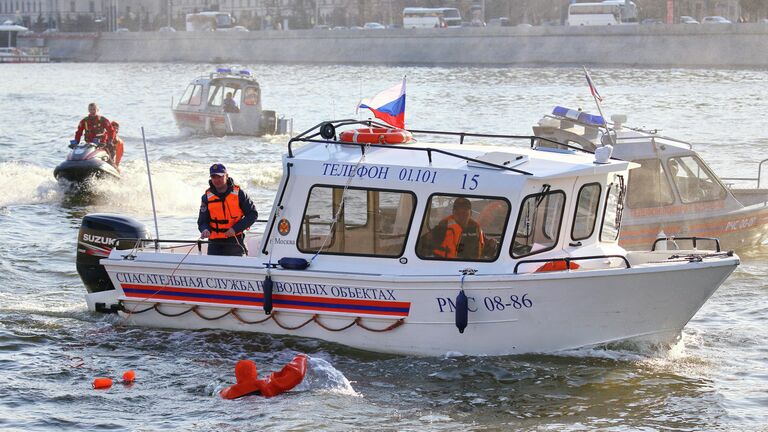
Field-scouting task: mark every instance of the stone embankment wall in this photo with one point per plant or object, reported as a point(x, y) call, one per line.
point(735, 45)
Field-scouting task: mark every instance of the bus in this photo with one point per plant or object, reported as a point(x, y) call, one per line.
point(209, 21)
point(608, 12)
point(418, 17)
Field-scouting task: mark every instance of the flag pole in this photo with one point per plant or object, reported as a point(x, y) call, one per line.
point(597, 102)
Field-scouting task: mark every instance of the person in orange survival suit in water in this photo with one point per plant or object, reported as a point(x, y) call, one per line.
point(118, 145)
point(248, 381)
point(96, 127)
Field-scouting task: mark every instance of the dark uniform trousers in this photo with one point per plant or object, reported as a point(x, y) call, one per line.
point(230, 246)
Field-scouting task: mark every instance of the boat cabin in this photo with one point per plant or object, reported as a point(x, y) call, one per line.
point(673, 192)
point(226, 102)
point(399, 203)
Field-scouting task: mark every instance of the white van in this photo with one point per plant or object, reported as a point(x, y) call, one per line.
point(594, 14)
point(418, 17)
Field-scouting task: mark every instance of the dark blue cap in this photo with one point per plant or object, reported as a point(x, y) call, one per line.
point(218, 169)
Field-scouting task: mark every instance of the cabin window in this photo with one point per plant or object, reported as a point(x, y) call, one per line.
point(219, 92)
point(251, 96)
point(585, 216)
point(614, 206)
point(357, 221)
point(192, 95)
point(538, 224)
point(648, 186)
point(462, 228)
point(694, 181)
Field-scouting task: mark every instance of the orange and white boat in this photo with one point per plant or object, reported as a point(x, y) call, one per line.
point(673, 193)
point(201, 108)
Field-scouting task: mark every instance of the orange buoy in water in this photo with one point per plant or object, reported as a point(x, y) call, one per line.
point(248, 381)
point(129, 377)
point(102, 383)
point(558, 265)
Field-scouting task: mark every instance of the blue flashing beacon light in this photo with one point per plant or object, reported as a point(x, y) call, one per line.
point(579, 116)
point(245, 72)
point(223, 70)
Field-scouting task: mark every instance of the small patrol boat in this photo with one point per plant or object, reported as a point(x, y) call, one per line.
point(86, 161)
point(400, 246)
point(201, 108)
point(674, 193)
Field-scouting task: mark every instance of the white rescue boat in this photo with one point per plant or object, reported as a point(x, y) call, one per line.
point(354, 252)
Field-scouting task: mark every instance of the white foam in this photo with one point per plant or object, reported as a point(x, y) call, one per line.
point(22, 183)
point(321, 375)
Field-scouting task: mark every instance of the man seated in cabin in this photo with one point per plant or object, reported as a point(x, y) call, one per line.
point(230, 106)
point(226, 212)
point(458, 236)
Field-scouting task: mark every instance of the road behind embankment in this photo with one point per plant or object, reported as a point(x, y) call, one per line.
point(728, 45)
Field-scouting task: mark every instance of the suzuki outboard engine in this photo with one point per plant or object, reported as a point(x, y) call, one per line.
point(97, 237)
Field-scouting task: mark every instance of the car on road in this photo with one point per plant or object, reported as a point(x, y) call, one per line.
point(714, 20)
point(166, 30)
point(685, 19)
point(499, 22)
point(374, 26)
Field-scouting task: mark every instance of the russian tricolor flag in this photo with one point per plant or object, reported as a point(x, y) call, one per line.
point(388, 106)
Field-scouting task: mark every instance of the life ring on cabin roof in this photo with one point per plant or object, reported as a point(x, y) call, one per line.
point(376, 136)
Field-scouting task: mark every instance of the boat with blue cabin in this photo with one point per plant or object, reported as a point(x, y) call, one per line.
point(393, 243)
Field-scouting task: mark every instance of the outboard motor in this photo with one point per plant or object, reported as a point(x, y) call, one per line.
point(97, 237)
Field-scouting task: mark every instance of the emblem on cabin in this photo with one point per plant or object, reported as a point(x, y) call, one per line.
point(283, 227)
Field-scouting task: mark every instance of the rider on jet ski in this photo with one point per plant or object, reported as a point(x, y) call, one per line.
point(99, 128)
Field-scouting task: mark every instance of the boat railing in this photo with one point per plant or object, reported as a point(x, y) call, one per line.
point(325, 133)
point(138, 243)
point(569, 260)
point(758, 178)
point(694, 240)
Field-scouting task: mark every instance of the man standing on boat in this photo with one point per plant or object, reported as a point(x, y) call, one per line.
point(225, 213)
point(463, 238)
point(96, 127)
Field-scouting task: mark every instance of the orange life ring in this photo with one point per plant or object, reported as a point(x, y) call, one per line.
point(558, 265)
point(376, 136)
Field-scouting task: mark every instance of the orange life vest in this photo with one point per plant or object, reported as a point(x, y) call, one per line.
point(224, 213)
point(94, 128)
point(459, 243)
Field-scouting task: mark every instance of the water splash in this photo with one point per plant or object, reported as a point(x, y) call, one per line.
point(321, 375)
point(22, 183)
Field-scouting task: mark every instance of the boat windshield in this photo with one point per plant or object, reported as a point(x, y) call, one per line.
point(220, 90)
point(614, 204)
point(648, 185)
point(538, 224)
point(584, 220)
point(694, 181)
point(192, 95)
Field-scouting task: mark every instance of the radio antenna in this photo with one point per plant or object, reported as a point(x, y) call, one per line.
point(151, 190)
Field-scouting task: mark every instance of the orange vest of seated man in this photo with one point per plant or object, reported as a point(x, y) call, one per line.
point(463, 239)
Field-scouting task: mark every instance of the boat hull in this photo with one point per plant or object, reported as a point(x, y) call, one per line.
point(78, 171)
point(508, 314)
point(737, 230)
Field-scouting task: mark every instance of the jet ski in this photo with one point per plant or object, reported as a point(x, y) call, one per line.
point(86, 160)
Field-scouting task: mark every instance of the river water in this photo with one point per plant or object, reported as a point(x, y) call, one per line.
point(51, 348)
